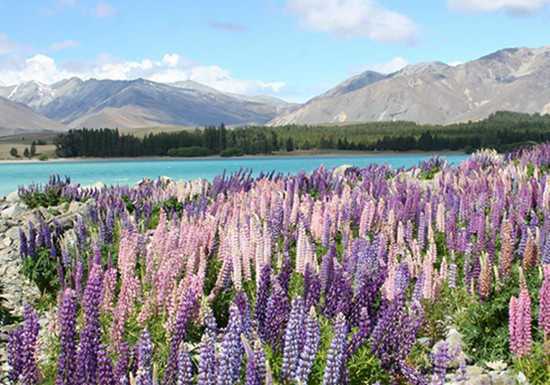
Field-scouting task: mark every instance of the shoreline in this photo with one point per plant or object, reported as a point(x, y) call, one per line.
point(294, 154)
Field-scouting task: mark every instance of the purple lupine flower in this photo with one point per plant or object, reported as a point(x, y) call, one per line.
point(336, 354)
point(231, 350)
point(31, 249)
point(185, 312)
point(277, 311)
point(252, 374)
point(241, 301)
point(207, 361)
point(66, 368)
point(15, 354)
point(90, 335)
point(359, 338)
point(185, 368)
point(309, 349)
point(29, 336)
point(411, 374)
point(145, 360)
point(293, 339)
point(262, 297)
point(440, 360)
point(77, 277)
point(259, 357)
point(312, 287)
point(395, 333)
point(23, 249)
point(104, 367)
point(209, 322)
point(122, 365)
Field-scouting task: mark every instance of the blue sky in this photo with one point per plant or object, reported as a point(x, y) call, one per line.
point(294, 49)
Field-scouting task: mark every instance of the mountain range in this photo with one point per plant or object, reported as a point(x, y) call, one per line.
point(514, 79)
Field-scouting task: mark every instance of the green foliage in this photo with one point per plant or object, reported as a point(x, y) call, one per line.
point(14, 153)
point(189, 152)
point(42, 270)
point(42, 199)
point(535, 366)
point(484, 324)
point(43, 157)
point(230, 152)
point(365, 368)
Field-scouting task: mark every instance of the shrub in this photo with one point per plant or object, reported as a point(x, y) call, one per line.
point(190, 152)
point(230, 152)
point(43, 157)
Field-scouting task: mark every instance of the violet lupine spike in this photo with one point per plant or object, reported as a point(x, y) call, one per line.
point(186, 310)
point(334, 367)
point(309, 349)
point(259, 357)
point(23, 247)
point(122, 365)
point(185, 368)
point(252, 374)
point(144, 375)
point(29, 337)
point(277, 311)
point(241, 301)
point(262, 297)
point(66, 368)
point(90, 335)
point(105, 374)
point(312, 287)
point(207, 361)
point(544, 303)
point(293, 339)
point(440, 361)
point(231, 350)
point(15, 354)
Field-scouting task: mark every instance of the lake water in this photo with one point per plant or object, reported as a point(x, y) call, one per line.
point(13, 175)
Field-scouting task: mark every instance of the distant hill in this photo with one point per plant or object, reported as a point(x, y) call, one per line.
point(516, 79)
point(16, 118)
point(141, 103)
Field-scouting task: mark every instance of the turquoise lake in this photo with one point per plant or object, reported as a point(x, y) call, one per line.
point(115, 172)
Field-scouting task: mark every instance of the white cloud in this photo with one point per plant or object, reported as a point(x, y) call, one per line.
point(355, 18)
point(513, 6)
point(103, 9)
point(171, 68)
point(6, 45)
point(394, 65)
point(65, 44)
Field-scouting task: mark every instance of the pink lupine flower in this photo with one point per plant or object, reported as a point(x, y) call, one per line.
point(520, 322)
point(544, 303)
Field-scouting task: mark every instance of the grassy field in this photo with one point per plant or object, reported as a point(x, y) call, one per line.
point(5, 147)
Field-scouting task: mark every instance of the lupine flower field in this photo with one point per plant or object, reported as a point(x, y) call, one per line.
point(354, 276)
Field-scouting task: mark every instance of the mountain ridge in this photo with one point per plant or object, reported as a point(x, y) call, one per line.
point(514, 79)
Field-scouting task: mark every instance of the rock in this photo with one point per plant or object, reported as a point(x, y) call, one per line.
point(505, 378)
point(12, 197)
point(14, 211)
point(165, 179)
point(6, 242)
point(456, 344)
point(341, 170)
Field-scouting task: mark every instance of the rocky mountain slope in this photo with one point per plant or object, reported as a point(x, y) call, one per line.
point(516, 79)
point(17, 118)
point(140, 103)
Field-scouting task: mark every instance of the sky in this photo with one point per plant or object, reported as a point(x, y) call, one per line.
point(293, 49)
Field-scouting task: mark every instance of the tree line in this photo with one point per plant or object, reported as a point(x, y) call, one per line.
point(502, 130)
